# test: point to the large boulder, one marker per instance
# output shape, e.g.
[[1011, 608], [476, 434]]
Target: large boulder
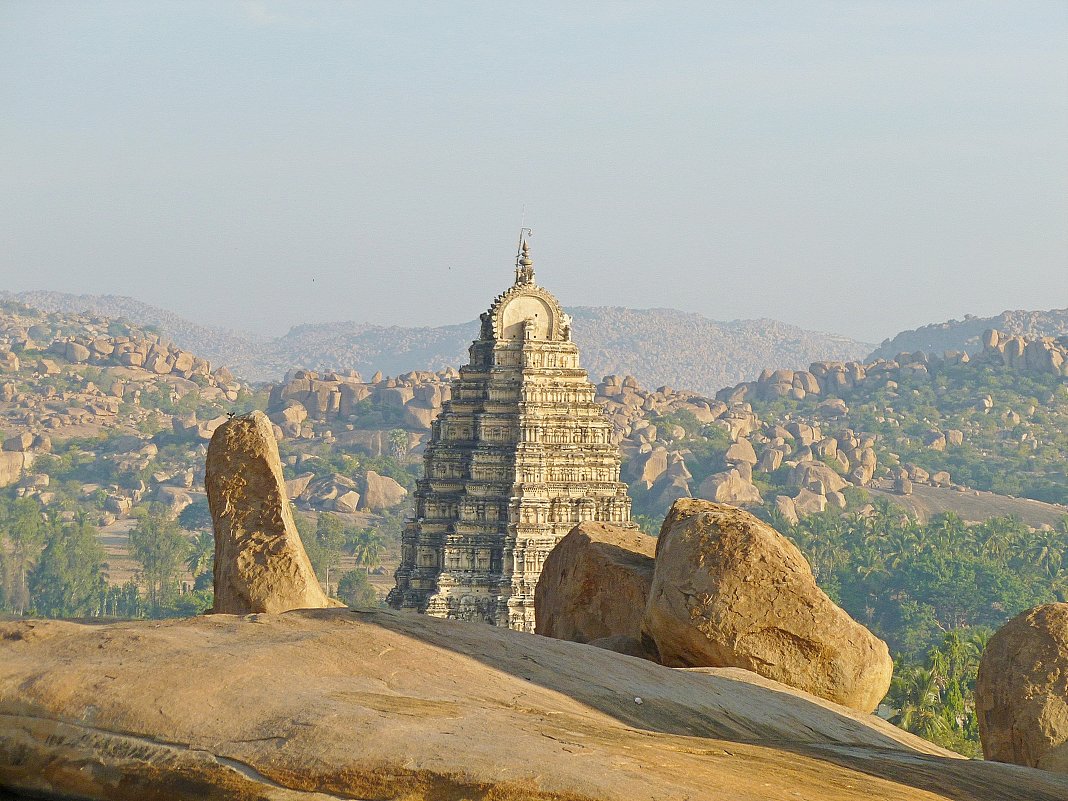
[[12, 466], [380, 492], [594, 583], [646, 469], [19, 442], [730, 591], [730, 487], [741, 451], [175, 499], [260, 562], [810, 474], [290, 418], [1021, 694]]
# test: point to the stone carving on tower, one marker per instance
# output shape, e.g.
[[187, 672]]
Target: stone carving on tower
[[520, 454]]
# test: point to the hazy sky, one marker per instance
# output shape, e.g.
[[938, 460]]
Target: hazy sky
[[851, 167]]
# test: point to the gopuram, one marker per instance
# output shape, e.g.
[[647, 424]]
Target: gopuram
[[519, 455]]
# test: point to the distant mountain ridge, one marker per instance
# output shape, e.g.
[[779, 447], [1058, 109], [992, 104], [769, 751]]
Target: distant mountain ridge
[[658, 346], [964, 335], [222, 346]]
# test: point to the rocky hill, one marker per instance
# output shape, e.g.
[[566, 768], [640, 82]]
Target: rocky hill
[[658, 346], [965, 335], [993, 422], [219, 345], [338, 703]]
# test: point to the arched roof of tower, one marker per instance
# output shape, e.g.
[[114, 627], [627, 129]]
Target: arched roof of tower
[[527, 299]]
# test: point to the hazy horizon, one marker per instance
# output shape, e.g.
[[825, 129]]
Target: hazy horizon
[[856, 168]]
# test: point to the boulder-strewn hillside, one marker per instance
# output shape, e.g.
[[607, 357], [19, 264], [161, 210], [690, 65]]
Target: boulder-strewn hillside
[[104, 425], [658, 346], [219, 345], [965, 335], [993, 422]]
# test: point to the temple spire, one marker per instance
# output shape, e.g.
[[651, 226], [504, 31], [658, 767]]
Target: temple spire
[[524, 265]]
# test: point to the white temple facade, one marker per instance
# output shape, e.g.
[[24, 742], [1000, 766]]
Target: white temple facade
[[519, 455]]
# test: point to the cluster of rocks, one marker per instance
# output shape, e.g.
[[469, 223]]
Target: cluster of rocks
[[655, 456], [48, 392], [307, 398], [719, 588], [93, 343], [92, 376], [826, 379], [821, 465], [1047, 355], [966, 334], [370, 492]]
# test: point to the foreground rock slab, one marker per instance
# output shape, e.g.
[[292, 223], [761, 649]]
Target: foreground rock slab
[[594, 584], [730, 591], [1021, 693], [260, 562], [383, 705]]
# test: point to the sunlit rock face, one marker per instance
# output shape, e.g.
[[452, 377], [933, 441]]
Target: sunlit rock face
[[520, 454], [1021, 693], [730, 591], [260, 562]]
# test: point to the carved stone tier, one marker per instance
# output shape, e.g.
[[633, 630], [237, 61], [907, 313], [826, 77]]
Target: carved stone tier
[[520, 454]]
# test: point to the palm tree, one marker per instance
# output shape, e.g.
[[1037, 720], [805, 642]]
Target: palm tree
[[978, 640], [870, 563], [201, 558], [945, 530], [997, 540], [901, 545], [1045, 550], [885, 514], [1060, 586], [956, 656], [368, 547], [917, 698]]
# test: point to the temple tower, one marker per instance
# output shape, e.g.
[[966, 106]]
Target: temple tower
[[519, 455]]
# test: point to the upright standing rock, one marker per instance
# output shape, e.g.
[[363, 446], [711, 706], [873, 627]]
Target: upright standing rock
[[260, 562], [730, 591], [1021, 693]]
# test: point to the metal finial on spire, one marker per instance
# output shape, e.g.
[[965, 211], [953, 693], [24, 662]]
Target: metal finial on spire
[[524, 265]]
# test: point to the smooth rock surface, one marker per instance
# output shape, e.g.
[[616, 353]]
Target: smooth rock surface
[[260, 562], [333, 703], [1021, 694], [594, 583], [730, 591]]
